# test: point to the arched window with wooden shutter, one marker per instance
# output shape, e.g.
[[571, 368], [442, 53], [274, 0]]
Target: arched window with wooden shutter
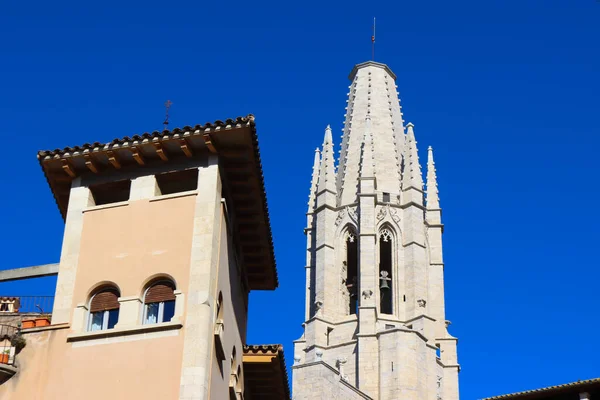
[[104, 309], [159, 302]]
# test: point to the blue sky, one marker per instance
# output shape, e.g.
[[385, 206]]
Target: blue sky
[[505, 91]]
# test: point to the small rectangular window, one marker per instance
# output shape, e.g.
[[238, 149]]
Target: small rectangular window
[[386, 197], [176, 182], [159, 312], [152, 311], [168, 311], [96, 321], [111, 192], [112, 318]]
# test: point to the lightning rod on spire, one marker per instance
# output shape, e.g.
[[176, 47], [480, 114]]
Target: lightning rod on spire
[[373, 42]]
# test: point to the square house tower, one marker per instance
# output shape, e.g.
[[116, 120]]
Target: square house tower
[[166, 233]]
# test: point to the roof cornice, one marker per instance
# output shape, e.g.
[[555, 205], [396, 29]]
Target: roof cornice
[[542, 393], [370, 64]]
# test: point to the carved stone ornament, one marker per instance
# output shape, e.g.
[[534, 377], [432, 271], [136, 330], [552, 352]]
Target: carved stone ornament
[[367, 293], [394, 214], [340, 216], [386, 235], [319, 354], [318, 305], [382, 213], [387, 209], [297, 359], [352, 214], [340, 366], [350, 237], [421, 302]]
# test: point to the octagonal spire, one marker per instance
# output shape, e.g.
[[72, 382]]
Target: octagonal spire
[[372, 97]]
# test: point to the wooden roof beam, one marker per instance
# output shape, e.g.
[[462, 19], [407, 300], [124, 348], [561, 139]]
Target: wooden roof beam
[[137, 156], [208, 142], [113, 160], [68, 169], [161, 152], [185, 147], [90, 164]]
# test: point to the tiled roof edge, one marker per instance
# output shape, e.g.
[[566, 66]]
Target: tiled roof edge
[[262, 348], [264, 189], [207, 127], [546, 389]]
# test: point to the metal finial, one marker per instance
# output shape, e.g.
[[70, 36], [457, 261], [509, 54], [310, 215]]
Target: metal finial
[[168, 105], [373, 42]]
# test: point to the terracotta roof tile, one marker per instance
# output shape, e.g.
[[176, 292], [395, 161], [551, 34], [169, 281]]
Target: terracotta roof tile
[[249, 119], [530, 394], [264, 349]]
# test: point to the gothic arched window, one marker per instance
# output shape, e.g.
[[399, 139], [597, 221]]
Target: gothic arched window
[[351, 277], [385, 271]]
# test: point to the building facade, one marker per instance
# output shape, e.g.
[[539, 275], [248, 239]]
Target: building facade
[[375, 323], [166, 233]]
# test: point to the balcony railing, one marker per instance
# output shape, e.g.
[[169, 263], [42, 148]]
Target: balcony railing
[[26, 304]]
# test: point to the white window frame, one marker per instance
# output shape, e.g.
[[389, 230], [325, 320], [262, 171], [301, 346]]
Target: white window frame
[[161, 306], [105, 315], [104, 326]]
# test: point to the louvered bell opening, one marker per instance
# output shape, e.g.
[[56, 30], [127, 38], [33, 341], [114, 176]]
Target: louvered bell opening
[[160, 292], [105, 300]]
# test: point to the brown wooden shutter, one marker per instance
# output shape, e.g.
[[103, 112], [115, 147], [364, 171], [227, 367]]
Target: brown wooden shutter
[[160, 292], [105, 300]]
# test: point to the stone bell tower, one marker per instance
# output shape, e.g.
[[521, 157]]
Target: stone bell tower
[[375, 325]]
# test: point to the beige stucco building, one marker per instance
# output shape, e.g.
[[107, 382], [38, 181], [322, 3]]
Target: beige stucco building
[[165, 235], [375, 324]]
